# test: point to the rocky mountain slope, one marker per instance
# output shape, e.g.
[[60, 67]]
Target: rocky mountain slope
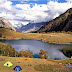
[[5, 23], [30, 27], [61, 23]]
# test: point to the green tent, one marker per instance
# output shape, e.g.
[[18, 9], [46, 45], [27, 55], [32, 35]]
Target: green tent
[[8, 64]]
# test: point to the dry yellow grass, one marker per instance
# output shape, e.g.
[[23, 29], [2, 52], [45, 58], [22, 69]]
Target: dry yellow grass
[[30, 64], [58, 38]]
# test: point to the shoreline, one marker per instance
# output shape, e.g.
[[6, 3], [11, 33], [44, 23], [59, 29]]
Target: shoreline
[[50, 42], [56, 38]]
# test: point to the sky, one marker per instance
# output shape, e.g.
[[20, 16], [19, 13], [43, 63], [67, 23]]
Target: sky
[[24, 11]]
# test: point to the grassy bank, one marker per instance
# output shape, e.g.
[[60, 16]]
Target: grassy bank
[[58, 38], [33, 65]]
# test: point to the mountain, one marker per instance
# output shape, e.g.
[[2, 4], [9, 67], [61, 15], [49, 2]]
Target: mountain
[[5, 23], [30, 27], [61, 23]]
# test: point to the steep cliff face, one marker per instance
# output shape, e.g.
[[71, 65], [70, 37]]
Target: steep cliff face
[[5, 23], [61, 23]]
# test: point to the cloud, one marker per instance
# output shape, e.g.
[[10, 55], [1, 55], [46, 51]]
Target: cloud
[[25, 13], [55, 9], [69, 0], [5, 5]]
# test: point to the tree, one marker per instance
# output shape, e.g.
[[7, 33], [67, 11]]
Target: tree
[[16, 54], [26, 53], [43, 54], [9, 51], [1, 51]]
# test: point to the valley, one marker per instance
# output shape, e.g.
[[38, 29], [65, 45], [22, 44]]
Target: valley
[[51, 36], [58, 38]]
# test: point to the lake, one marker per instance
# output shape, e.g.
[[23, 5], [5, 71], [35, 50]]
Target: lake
[[35, 46]]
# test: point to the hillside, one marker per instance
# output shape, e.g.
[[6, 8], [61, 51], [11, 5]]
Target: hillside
[[30, 27], [34, 65], [58, 38], [61, 23], [6, 24]]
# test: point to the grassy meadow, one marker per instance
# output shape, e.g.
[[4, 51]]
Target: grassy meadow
[[58, 38], [34, 65]]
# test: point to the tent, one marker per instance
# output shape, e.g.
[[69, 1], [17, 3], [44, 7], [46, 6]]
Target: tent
[[17, 68], [8, 64], [69, 65]]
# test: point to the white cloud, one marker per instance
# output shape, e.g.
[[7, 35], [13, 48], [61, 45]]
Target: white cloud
[[69, 0], [5, 5], [38, 13], [23, 6], [55, 8]]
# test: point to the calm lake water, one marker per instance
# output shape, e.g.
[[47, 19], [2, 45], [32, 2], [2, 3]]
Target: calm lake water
[[35, 46]]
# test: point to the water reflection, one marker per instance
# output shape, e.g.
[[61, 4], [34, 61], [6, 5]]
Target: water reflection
[[35, 46]]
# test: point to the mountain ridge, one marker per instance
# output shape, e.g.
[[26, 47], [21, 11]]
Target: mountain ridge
[[30, 27], [61, 23], [6, 24]]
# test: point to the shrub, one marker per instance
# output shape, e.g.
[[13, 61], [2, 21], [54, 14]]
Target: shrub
[[9, 51], [0, 34], [1, 51], [4, 36], [26, 53], [43, 54], [17, 54]]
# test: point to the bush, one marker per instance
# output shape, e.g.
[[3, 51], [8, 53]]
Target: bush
[[26, 53], [1, 51], [8, 50], [0, 34], [43, 54], [4, 36]]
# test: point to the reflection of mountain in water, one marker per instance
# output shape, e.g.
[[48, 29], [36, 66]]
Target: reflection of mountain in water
[[36, 46]]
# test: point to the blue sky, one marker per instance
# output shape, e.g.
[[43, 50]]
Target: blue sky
[[25, 11], [32, 1]]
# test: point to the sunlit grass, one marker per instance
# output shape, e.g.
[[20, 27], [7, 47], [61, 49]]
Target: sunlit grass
[[58, 38], [33, 65]]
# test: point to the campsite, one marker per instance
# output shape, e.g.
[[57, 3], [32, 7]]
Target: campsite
[[34, 65], [35, 35]]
